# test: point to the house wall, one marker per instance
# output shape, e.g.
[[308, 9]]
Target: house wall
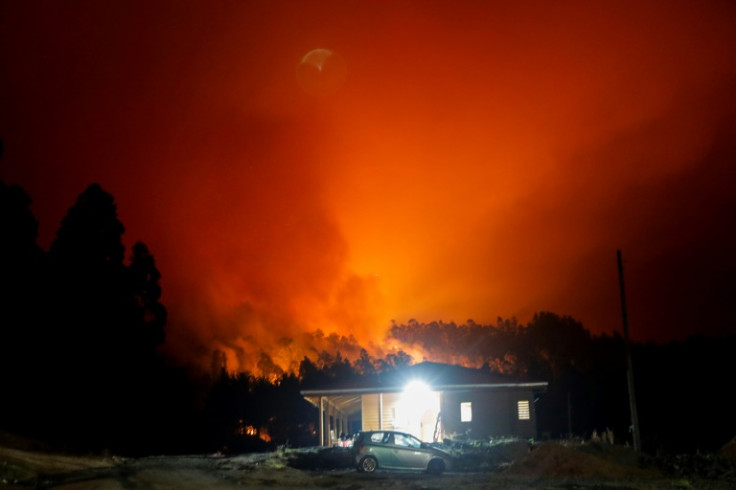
[[389, 402], [420, 423], [369, 412], [494, 414], [385, 403]]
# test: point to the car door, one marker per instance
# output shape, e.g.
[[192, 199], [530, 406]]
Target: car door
[[381, 446], [408, 452]]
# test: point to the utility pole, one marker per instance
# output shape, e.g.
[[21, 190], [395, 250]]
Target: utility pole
[[629, 362], [569, 415]]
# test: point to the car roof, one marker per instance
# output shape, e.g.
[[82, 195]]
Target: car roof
[[387, 431]]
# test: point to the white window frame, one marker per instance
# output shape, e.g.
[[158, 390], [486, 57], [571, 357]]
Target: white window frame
[[466, 411], [523, 410]]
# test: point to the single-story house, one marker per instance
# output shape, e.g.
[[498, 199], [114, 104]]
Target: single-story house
[[430, 400]]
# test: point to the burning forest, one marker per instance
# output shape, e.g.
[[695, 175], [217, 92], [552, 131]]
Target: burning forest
[[85, 359], [207, 208]]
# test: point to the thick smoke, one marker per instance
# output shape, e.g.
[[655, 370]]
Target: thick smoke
[[477, 160]]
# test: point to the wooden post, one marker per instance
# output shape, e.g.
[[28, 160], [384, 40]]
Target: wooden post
[[629, 362], [321, 421], [330, 424], [380, 411]]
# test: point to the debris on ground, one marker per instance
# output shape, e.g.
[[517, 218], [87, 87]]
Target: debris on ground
[[729, 450], [515, 465], [486, 456], [705, 466], [561, 461]]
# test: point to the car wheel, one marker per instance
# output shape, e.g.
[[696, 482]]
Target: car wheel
[[368, 464], [436, 467]]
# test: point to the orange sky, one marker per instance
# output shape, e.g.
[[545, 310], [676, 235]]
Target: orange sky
[[479, 159]]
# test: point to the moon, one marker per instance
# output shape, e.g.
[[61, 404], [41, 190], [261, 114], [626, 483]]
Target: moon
[[321, 72]]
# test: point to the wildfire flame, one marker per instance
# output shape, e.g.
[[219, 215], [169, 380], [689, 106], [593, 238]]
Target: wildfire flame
[[285, 356]]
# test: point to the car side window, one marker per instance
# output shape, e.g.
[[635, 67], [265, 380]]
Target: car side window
[[377, 437], [406, 441]]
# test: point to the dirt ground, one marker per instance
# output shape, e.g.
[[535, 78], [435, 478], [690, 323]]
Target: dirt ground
[[543, 466]]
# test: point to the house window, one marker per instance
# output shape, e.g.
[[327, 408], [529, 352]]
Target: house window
[[466, 412], [523, 408]]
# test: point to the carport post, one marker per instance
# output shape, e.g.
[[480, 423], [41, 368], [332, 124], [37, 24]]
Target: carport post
[[321, 421], [330, 423], [380, 411]]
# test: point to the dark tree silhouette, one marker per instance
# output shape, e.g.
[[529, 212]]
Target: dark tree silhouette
[[89, 280], [365, 364], [102, 325], [20, 256], [20, 297], [557, 343], [89, 312], [91, 234], [394, 361], [309, 374], [144, 280], [245, 413]]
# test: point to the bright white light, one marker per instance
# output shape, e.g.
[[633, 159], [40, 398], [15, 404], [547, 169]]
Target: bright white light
[[417, 410], [416, 388], [416, 397], [466, 412]]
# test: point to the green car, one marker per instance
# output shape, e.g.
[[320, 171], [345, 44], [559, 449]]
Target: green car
[[391, 450]]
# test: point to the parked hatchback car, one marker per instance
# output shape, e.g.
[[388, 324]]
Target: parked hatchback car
[[392, 450]]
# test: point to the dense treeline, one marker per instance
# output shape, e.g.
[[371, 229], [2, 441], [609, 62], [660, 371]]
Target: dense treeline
[[80, 327], [679, 387], [82, 324]]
